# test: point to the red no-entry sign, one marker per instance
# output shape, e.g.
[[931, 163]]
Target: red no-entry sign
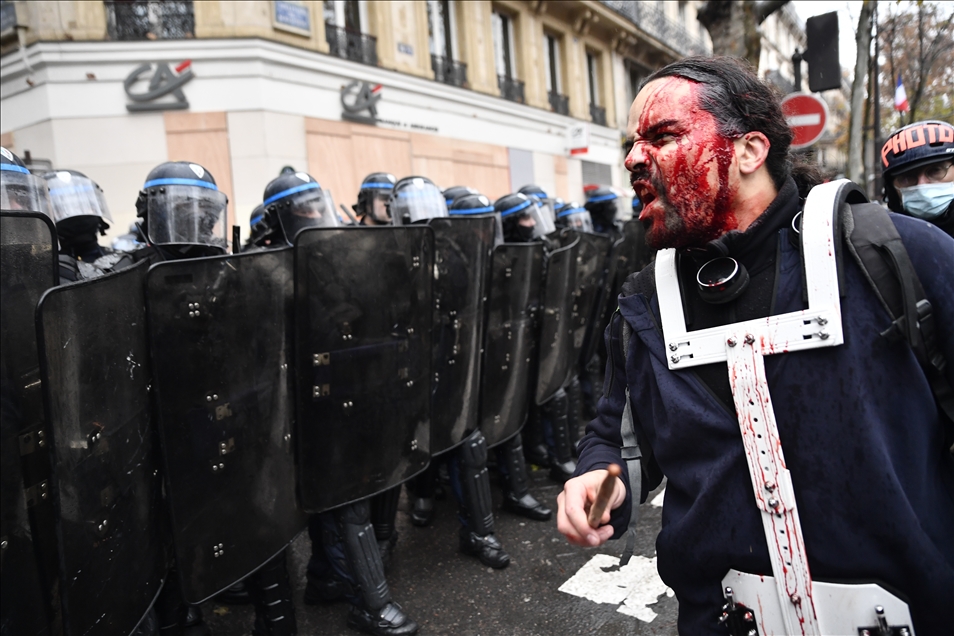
[[807, 115]]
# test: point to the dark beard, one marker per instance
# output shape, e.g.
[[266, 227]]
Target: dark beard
[[675, 231]]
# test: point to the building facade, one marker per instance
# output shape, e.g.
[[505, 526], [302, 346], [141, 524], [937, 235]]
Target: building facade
[[490, 94]]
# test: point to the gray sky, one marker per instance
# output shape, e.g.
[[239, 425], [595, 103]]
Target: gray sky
[[847, 23]]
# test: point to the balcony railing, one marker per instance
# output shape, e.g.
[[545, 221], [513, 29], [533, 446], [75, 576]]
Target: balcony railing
[[598, 114], [169, 20], [351, 45], [559, 103], [655, 23], [449, 71], [511, 89]]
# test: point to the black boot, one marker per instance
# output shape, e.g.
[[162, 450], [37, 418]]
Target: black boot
[[270, 591], [486, 548], [234, 595], [534, 446], [175, 616], [390, 620], [383, 513], [562, 465], [517, 497], [422, 512]]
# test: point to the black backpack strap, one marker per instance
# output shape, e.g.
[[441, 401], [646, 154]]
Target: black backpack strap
[[877, 247]]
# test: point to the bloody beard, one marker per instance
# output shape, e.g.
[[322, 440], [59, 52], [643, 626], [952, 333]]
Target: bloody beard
[[682, 207]]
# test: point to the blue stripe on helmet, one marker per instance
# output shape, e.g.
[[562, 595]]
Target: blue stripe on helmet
[[570, 211], [376, 185], [174, 181], [536, 195], [290, 191], [68, 189], [522, 206], [12, 167], [483, 210], [255, 219], [605, 197]]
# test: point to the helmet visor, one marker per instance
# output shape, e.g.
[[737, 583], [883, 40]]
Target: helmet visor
[[187, 214], [417, 200], [21, 190], [308, 207], [577, 219], [545, 217], [73, 195]]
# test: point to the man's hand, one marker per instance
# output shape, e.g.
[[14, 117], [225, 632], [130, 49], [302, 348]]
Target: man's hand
[[574, 503]]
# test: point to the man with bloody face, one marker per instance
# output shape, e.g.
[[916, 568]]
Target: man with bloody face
[[865, 490]]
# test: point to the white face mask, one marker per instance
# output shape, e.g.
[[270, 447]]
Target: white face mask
[[927, 200]]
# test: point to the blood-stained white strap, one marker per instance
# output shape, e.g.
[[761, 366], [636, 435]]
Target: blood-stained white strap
[[817, 326], [771, 482]]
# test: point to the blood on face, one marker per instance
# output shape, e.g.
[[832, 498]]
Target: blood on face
[[680, 165]]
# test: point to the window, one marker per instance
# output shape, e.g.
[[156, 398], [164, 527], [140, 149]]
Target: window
[[440, 27], [350, 14], [593, 77], [551, 60], [171, 20], [504, 58]]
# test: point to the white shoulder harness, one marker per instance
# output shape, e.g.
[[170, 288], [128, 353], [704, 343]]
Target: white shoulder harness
[[798, 605]]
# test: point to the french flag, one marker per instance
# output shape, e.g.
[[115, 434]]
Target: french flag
[[901, 98]]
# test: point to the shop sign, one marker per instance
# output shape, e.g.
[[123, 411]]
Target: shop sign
[[578, 138], [360, 96], [164, 81]]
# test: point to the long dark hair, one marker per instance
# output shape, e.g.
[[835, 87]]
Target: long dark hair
[[740, 103]]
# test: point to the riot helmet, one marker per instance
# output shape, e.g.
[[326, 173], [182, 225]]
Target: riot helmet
[[540, 197], [79, 207], [415, 199], [521, 217], [637, 206], [575, 217], [19, 189], [295, 201], [918, 162], [602, 204], [374, 197], [455, 192], [477, 204], [181, 205]]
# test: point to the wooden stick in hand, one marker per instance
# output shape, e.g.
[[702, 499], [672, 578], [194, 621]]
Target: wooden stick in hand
[[604, 495]]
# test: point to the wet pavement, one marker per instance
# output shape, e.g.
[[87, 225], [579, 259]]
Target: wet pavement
[[448, 593]]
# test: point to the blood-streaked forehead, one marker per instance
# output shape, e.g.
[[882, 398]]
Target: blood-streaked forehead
[[661, 100]]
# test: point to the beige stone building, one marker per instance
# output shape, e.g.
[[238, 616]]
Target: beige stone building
[[491, 94]]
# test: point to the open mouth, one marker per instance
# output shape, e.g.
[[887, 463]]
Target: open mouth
[[645, 192]]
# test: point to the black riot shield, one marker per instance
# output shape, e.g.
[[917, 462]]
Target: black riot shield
[[94, 358], [556, 355], [461, 262], [513, 299], [363, 350], [591, 265], [28, 267], [220, 331], [629, 254]]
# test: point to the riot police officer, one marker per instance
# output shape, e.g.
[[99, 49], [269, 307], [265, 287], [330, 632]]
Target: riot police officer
[[574, 217], [547, 432], [374, 196], [509, 454], [342, 565], [80, 213], [415, 200], [19, 189], [602, 203], [918, 165]]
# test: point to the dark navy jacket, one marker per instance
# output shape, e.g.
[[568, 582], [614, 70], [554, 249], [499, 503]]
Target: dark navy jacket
[[861, 433]]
